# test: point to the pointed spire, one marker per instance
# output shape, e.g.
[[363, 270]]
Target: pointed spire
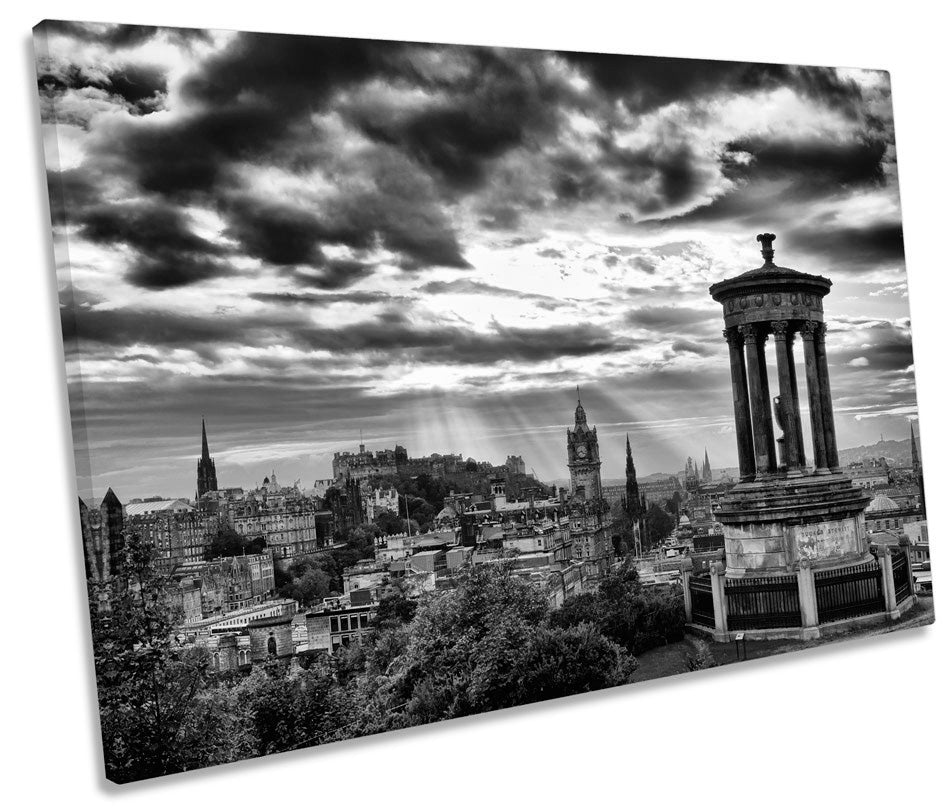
[[207, 477], [205, 454], [580, 416], [632, 506], [914, 453]]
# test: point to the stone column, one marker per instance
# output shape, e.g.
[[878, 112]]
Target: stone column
[[740, 403], [808, 600], [788, 395], [887, 578], [904, 550], [687, 598], [759, 402], [717, 581], [796, 404], [809, 328], [769, 422], [827, 412]]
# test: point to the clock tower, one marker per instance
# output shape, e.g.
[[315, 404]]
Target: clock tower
[[583, 455]]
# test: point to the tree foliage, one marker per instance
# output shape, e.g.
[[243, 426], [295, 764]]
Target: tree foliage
[[658, 523], [227, 543], [623, 611], [304, 580], [155, 712], [490, 643], [486, 645]]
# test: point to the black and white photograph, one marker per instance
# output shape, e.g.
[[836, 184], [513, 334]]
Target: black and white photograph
[[410, 381]]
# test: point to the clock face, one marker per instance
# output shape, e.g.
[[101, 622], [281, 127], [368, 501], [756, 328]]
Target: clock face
[[582, 451]]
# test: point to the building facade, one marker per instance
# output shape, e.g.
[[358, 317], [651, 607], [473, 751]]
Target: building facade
[[176, 531]]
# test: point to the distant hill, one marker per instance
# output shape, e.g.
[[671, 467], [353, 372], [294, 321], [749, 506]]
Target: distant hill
[[895, 451]]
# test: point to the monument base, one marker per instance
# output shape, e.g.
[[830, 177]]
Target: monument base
[[771, 525]]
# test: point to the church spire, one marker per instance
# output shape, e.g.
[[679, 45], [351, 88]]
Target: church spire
[[207, 476], [918, 470], [205, 454], [914, 454], [632, 489]]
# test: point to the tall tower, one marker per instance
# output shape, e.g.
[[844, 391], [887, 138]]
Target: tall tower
[[583, 455], [707, 470], [632, 488], [207, 476], [918, 470]]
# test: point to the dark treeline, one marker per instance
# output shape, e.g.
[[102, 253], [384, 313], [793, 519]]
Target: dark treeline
[[490, 643]]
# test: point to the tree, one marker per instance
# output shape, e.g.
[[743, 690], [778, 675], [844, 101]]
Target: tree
[[623, 611], [658, 523], [389, 523], [311, 585], [227, 543], [471, 650], [395, 608], [153, 694], [291, 707]]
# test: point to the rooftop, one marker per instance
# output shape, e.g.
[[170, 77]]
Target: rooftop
[[163, 506]]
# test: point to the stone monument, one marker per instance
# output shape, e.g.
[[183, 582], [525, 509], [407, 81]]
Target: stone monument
[[784, 511]]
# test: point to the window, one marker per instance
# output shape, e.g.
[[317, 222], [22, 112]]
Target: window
[[334, 624], [344, 624]]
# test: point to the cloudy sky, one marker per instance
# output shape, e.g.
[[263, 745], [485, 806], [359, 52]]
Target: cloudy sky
[[303, 237]]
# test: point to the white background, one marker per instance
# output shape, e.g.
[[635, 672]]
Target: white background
[[861, 725]]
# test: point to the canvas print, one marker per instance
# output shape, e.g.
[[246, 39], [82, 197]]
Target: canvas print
[[410, 381]]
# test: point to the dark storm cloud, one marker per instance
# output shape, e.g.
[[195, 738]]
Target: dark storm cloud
[[192, 155], [668, 318], [275, 232], [170, 269], [126, 327], [247, 101], [138, 84], [141, 87], [71, 192], [333, 274], [849, 249], [869, 348], [120, 35], [815, 165], [781, 171], [497, 100], [683, 345], [476, 288], [891, 355], [648, 82], [576, 179], [391, 335], [500, 217], [394, 334], [318, 299], [675, 167], [167, 253], [148, 226]]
